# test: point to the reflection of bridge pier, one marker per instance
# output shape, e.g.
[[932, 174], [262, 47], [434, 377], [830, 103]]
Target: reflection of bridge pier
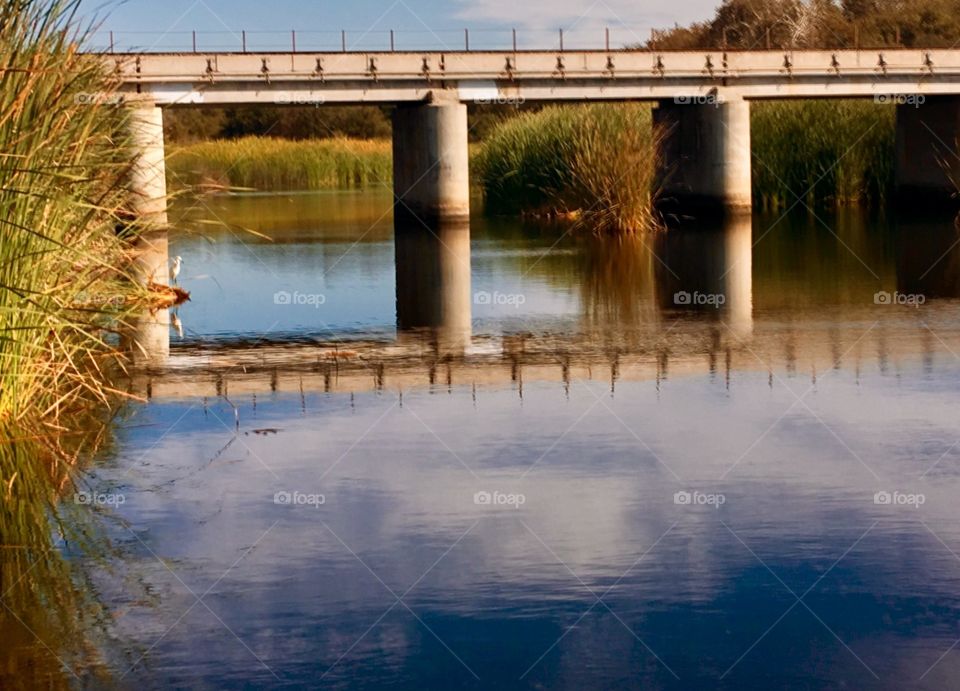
[[709, 272], [146, 338], [433, 281]]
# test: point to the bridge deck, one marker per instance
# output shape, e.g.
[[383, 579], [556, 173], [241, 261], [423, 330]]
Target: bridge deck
[[489, 76]]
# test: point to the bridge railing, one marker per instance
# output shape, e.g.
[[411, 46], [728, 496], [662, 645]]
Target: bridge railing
[[358, 40], [380, 40]]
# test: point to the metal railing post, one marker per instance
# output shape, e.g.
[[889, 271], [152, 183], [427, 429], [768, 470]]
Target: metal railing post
[[243, 40]]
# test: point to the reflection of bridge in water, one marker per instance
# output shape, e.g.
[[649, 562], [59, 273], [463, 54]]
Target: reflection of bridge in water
[[692, 313]]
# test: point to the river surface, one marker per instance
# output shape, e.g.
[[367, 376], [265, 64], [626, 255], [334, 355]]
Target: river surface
[[506, 456]]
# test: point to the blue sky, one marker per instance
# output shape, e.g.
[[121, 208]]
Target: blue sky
[[418, 23]]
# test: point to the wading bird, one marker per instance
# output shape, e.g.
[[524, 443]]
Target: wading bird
[[175, 269]]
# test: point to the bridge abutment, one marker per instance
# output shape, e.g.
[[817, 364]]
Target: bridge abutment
[[927, 168], [430, 159], [704, 162], [148, 193]]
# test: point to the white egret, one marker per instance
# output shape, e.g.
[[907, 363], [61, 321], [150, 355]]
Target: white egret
[[175, 269]]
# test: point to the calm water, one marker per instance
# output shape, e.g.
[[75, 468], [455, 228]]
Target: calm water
[[507, 457]]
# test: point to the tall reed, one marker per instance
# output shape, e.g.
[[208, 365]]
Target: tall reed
[[595, 161], [267, 163], [837, 151], [63, 160]]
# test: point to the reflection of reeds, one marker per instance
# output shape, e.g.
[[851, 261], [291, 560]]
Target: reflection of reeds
[[595, 161], [48, 611], [266, 163], [61, 194], [617, 283]]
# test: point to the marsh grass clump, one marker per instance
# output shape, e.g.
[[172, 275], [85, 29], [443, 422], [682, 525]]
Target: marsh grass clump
[[267, 163], [63, 166], [825, 152], [595, 162]]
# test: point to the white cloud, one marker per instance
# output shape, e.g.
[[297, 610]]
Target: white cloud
[[624, 17]]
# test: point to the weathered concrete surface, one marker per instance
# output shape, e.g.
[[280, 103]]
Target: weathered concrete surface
[[927, 163], [704, 162], [490, 76], [148, 192], [431, 171]]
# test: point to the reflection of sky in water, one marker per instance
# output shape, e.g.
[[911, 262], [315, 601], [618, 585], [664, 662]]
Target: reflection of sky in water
[[399, 484], [496, 596]]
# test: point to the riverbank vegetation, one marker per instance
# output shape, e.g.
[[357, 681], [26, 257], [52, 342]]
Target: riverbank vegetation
[[602, 158], [822, 152], [270, 163], [63, 292], [62, 196], [595, 162]]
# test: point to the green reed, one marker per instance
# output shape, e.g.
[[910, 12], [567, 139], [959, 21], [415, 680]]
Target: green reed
[[836, 151], [593, 161], [267, 163], [63, 162]]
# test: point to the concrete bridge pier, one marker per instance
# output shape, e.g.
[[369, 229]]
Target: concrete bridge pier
[[430, 159], [704, 163], [148, 193], [927, 169]]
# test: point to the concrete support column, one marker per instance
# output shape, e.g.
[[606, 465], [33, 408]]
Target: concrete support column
[[704, 163], [430, 159], [148, 192], [927, 164]]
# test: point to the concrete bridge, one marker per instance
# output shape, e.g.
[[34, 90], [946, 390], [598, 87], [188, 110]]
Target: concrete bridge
[[702, 102]]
